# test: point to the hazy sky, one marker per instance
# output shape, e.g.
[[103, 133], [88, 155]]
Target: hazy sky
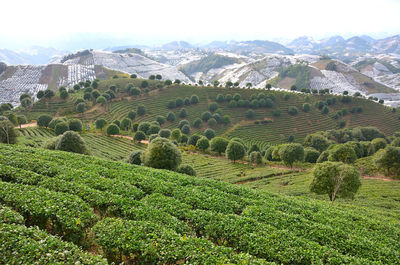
[[63, 23]]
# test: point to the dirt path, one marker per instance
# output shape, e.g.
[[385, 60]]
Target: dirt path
[[379, 178], [126, 137], [32, 124]]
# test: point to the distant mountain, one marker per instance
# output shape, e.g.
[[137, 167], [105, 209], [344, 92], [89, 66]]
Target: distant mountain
[[303, 44], [389, 45], [177, 45], [367, 38], [245, 47], [119, 48], [34, 55]]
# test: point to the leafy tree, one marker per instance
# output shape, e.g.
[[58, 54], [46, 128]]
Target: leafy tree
[[117, 122], [87, 96], [141, 110], [48, 93], [101, 100], [162, 153], [175, 134], [144, 127], [158, 77], [317, 141], [171, 117], [203, 143], [250, 114], [44, 120], [186, 101], [134, 157], [388, 159], [342, 153], [167, 82], [8, 134], [220, 98], [27, 102], [194, 99], [212, 106], [235, 151], [185, 129], [112, 129], [311, 155], [177, 81], [292, 110], [197, 123], [152, 77], [226, 119], [205, 116], [179, 102], [100, 123], [144, 84], [132, 115], [216, 83], [139, 136], [126, 124], [209, 133], [193, 140], [11, 116], [255, 157], [160, 119], [186, 169], [22, 120], [219, 145], [229, 84], [133, 76], [154, 129], [72, 142], [40, 94], [306, 107], [183, 113], [95, 85], [379, 143], [325, 110], [212, 122], [135, 91], [289, 153], [75, 125], [277, 112], [249, 85], [335, 179], [81, 107], [61, 128], [268, 86]]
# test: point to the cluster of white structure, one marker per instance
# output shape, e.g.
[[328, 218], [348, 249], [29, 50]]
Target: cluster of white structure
[[24, 80], [78, 71]]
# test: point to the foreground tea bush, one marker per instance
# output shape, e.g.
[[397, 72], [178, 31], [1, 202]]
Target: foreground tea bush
[[140, 215]]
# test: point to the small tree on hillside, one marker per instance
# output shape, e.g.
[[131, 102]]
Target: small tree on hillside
[[44, 120], [235, 151], [112, 129], [8, 134], [335, 179], [289, 153], [388, 160], [72, 142], [219, 145], [162, 153], [100, 123], [134, 157], [61, 128], [342, 153], [75, 125], [203, 143], [139, 136]]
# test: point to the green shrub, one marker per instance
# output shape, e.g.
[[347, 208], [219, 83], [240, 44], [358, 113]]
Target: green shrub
[[134, 157], [61, 128], [186, 169], [72, 142], [75, 125], [112, 129], [162, 153]]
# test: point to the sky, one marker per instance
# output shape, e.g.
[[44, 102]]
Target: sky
[[69, 24]]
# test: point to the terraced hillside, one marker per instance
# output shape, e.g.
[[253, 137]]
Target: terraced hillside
[[110, 208], [265, 127]]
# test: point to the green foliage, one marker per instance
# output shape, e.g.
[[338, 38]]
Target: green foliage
[[134, 157], [175, 134], [100, 123], [126, 124], [277, 112], [335, 179], [139, 136], [317, 141], [183, 113], [342, 153], [141, 110], [132, 115], [306, 107], [207, 63], [388, 160], [219, 144], [379, 143], [81, 107], [209, 133], [298, 71], [289, 153], [186, 169], [194, 99], [144, 127], [203, 143], [72, 142], [75, 125], [171, 117], [61, 128], [311, 155], [44, 120], [212, 122], [8, 134], [185, 129], [235, 151], [162, 153], [255, 157], [112, 129], [292, 110], [213, 106]]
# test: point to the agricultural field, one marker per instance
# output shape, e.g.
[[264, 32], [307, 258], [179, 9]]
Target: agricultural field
[[100, 201]]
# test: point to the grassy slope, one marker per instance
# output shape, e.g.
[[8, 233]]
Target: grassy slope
[[271, 227], [377, 194], [276, 132]]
